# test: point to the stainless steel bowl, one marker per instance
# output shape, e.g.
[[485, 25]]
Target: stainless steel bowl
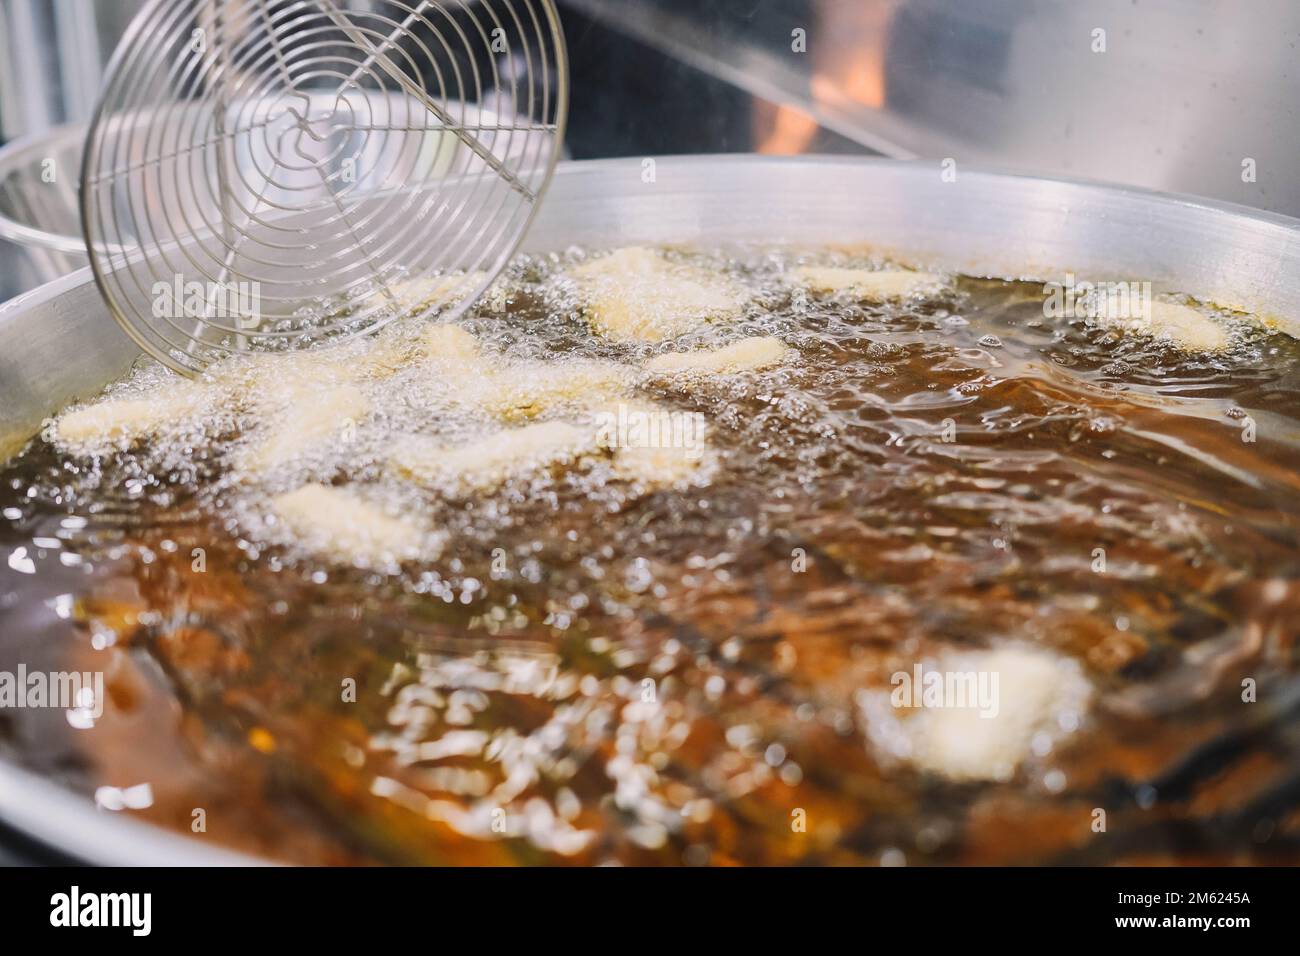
[[40, 213], [58, 343]]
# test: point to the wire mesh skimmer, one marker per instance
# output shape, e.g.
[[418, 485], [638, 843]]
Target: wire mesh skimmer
[[271, 174]]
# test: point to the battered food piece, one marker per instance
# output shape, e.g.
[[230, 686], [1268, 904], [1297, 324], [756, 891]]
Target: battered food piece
[[634, 294], [273, 380], [1016, 698], [868, 284], [651, 468], [749, 354], [654, 446], [1181, 325], [449, 343], [434, 292], [519, 390], [490, 462], [336, 522], [525, 390], [110, 421], [313, 417]]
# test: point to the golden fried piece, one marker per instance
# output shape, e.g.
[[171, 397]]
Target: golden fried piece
[[313, 419], [635, 294], [749, 354], [867, 284], [338, 523], [87, 428], [979, 715], [487, 463], [1180, 325]]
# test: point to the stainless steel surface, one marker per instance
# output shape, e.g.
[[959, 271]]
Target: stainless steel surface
[[55, 344], [69, 349], [1193, 96], [58, 819], [234, 136]]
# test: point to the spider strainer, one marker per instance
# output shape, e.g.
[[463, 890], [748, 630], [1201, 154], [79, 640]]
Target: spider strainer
[[270, 174]]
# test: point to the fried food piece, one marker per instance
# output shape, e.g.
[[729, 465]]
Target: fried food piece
[[407, 340], [488, 463], [336, 522], [1011, 696], [867, 284], [525, 390], [634, 294], [521, 390], [415, 296], [110, 421], [313, 417], [652, 467], [655, 447], [1180, 325], [749, 354], [270, 381], [449, 342]]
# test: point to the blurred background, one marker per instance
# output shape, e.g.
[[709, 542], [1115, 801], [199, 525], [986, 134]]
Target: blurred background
[[1189, 96]]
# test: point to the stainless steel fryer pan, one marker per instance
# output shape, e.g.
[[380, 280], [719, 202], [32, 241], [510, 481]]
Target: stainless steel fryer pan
[[58, 343]]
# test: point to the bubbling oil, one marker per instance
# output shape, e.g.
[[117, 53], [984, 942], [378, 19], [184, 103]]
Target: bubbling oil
[[577, 668]]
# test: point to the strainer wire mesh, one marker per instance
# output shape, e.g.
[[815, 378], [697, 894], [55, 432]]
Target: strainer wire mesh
[[267, 174]]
